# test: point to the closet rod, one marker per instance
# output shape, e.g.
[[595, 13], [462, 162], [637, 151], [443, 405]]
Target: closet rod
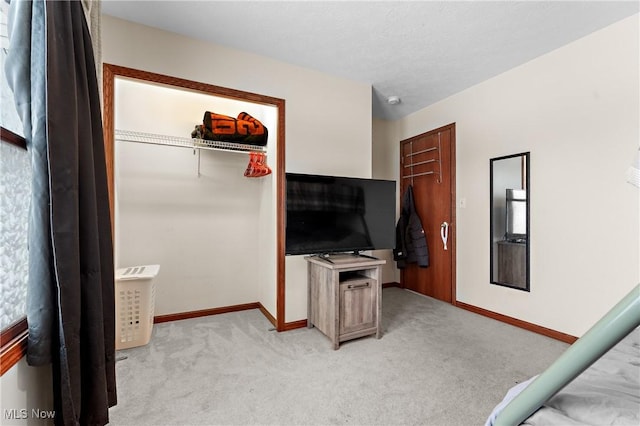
[[433, 148], [420, 162], [418, 174]]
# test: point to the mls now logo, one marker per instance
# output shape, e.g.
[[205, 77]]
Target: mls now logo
[[37, 413], [23, 413], [14, 413]]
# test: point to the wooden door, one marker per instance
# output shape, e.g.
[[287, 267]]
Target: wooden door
[[427, 162]]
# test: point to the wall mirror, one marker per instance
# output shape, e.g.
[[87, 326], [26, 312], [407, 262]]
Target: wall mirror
[[509, 250]]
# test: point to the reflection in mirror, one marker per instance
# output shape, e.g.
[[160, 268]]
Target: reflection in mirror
[[509, 180]]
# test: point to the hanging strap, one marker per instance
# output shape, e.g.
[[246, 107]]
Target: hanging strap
[[444, 233]]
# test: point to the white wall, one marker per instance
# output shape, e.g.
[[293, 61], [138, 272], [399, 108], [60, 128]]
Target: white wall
[[320, 110], [24, 389], [576, 110], [384, 164]]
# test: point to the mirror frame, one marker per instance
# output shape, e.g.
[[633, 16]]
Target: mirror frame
[[525, 176]]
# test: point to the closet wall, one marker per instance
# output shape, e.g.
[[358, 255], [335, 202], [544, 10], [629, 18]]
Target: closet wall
[[205, 230], [328, 119]]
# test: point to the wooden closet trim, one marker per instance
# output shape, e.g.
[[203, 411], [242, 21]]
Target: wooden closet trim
[[110, 72]]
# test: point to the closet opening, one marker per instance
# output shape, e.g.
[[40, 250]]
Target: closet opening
[[217, 234]]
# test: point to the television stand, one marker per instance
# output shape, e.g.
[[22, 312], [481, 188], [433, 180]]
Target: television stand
[[345, 296]]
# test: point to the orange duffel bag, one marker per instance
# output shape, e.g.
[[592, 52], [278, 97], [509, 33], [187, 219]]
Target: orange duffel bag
[[245, 129]]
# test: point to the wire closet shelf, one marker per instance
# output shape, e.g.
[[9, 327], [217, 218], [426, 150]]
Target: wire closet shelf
[[193, 143]]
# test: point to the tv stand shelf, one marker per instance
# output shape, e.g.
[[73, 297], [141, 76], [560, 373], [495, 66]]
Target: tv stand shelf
[[344, 296]]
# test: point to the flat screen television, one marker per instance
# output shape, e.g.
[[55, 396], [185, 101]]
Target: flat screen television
[[332, 214], [516, 214]]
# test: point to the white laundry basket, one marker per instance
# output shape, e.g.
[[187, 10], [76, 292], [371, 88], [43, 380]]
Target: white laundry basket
[[135, 300]]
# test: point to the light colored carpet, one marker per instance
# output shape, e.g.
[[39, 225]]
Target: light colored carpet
[[434, 365]]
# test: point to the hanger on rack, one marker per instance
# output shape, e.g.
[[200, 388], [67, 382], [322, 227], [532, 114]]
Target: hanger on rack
[[257, 166], [411, 164]]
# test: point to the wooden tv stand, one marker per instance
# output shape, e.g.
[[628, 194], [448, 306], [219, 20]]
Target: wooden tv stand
[[344, 296]]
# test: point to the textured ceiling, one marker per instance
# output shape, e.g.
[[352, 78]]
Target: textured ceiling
[[421, 51]]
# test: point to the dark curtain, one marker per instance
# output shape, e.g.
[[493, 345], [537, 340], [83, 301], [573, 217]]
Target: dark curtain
[[70, 306]]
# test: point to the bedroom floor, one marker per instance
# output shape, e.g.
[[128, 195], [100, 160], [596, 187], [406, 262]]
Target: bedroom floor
[[434, 365]]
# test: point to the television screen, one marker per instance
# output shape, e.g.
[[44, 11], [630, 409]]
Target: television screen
[[330, 214], [516, 214]]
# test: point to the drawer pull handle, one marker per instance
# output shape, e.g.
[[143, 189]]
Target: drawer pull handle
[[358, 285]]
